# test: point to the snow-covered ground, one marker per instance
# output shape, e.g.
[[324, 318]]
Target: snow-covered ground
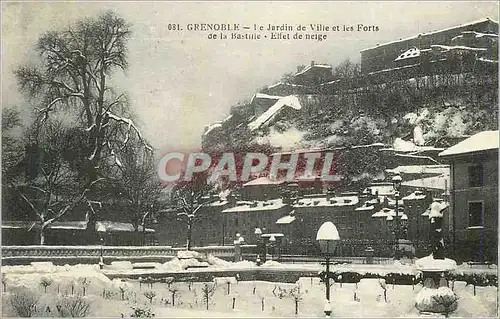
[[251, 299]]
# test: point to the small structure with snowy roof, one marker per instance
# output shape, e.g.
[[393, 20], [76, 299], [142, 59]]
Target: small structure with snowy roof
[[265, 118], [327, 202], [480, 142], [313, 74]]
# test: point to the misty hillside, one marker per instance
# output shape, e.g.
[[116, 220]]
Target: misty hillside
[[406, 101], [344, 110]]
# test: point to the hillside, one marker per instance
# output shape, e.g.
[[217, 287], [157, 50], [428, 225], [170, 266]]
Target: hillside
[[407, 116]]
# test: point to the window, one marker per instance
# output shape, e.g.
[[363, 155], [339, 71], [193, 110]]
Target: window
[[475, 176], [475, 214]]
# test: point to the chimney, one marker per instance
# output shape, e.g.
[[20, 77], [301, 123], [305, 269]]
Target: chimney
[[299, 68], [312, 63]]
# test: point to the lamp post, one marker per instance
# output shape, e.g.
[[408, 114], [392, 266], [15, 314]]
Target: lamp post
[[258, 233], [237, 247], [328, 237], [396, 182], [272, 243], [101, 259]]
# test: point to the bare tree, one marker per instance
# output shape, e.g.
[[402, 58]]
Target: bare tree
[[188, 198], [174, 292], [150, 295], [50, 187], [74, 74], [136, 183], [296, 296], [45, 282], [208, 291]]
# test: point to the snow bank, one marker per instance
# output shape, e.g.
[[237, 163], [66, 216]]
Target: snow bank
[[66, 277], [242, 264], [271, 264], [430, 264], [177, 264], [121, 265], [187, 254], [217, 262]]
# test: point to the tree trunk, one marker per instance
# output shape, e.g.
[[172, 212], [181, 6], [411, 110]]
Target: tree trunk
[[189, 235], [42, 235]]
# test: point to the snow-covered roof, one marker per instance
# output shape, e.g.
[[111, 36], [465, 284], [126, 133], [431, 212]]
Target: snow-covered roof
[[252, 206], [220, 202], [69, 225], [430, 159], [479, 142], [311, 66], [264, 180], [365, 207], [401, 145], [416, 195], [382, 189], [436, 209], [75, 225], [435, 182], [476, 35], [287, 84], [386, 212], [429, 33], [101, 226], [286, 219], [487, 60], [420, 169], [332, 202], [111, 226], [265, 96], [409, 54], [290, 101], [212, 127], [456, 47]]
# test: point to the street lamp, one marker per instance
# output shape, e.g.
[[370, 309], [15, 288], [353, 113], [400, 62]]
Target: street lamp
[[237, 247], [260, 249], [272, 243], [396, 182], [328, 237], [101, 259]]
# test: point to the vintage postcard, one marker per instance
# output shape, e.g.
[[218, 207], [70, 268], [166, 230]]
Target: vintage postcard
[[249, 159]]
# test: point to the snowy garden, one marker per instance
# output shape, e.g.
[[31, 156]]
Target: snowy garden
[[43, 289]]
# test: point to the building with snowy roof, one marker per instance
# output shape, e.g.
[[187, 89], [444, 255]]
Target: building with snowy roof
[[476, 37], [313, 74], [473, 222]]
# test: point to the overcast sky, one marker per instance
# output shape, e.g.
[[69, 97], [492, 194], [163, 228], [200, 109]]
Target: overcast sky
[[181, 81]]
